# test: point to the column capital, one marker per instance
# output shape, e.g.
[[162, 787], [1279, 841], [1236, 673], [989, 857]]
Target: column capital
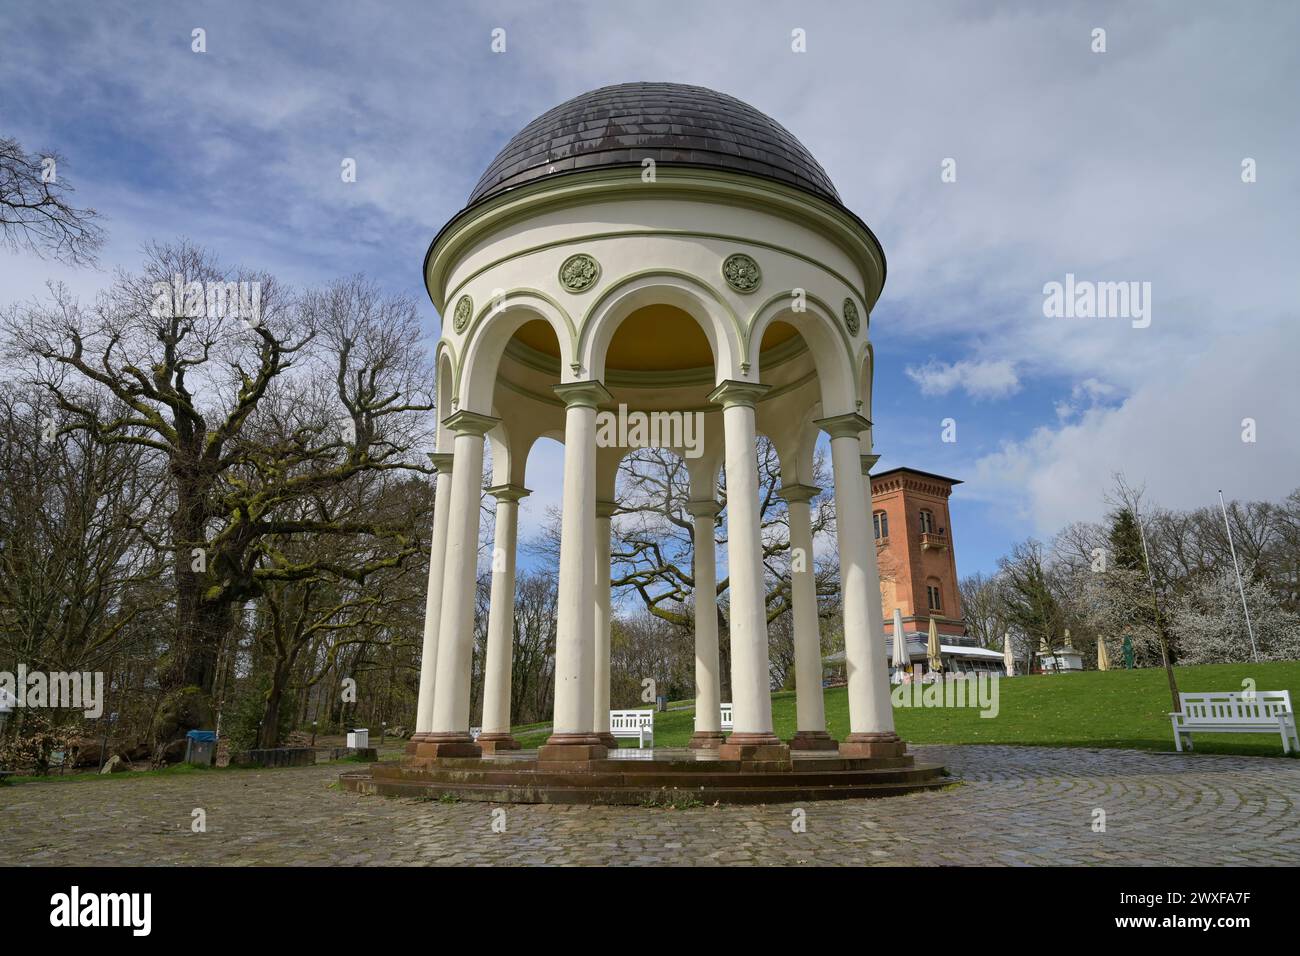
[[465, 422], [589, 394], [793, 493], [442, 461], [706, 508], [869, 462], [734, 392], [508, 492], [605, 509], [848, 425]]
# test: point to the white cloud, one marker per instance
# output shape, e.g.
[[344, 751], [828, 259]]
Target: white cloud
[[1179, 434], [978, 379]]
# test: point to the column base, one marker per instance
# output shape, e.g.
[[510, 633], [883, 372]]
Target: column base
[[813, 740], [453, 744], [873, 745], [496, 743], [571, 748], [755, 748], [707, 740], [608, 739]]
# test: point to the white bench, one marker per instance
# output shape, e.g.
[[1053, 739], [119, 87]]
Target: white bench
[[636, 724], [1255, 712], [727, 722]]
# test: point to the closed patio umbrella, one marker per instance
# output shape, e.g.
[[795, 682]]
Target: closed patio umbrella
[[932, 649], [901, 657], [1103, 658], [1008, 658]]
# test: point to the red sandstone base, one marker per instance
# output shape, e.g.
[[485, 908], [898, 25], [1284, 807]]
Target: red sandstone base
[[707, 740], [872, 745], [755, 748], [571, 748], [813, 740], [446, 748], [497, 743]]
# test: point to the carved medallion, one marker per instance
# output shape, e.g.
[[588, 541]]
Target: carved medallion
[[741, 272], [579, 273]]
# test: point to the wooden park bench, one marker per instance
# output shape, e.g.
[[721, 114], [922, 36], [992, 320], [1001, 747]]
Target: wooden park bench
[[1249, 712], [636, 724]]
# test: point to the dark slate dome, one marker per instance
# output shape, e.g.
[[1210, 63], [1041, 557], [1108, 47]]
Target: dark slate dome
[[673, 124]]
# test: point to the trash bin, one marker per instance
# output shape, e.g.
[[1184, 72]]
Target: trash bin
[[200, 746], [359, 738]]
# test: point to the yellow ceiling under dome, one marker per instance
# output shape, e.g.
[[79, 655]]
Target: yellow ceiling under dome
[[654, 338]]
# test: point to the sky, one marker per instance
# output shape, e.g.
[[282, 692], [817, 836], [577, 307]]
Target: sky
[[1117, 166]]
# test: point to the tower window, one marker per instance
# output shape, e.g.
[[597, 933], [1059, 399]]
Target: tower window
[[932, 594], [927, 522], [881, 522]]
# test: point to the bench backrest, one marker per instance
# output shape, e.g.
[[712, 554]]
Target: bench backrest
[[1261, 706], [727, 721], [630, 720]]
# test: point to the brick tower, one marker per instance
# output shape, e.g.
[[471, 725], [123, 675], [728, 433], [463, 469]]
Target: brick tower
[[918, 570]]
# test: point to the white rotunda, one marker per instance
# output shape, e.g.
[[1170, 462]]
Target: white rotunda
[[668, 250]]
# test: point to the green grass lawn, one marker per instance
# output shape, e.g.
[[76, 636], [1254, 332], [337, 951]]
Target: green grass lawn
[[1089, 709]]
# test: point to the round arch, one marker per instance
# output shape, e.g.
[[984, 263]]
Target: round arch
[[491, 333], [831, 351], [694, 297]]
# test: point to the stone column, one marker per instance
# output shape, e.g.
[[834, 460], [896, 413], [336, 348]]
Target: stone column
[[501, 624], [810, 722], [604, 513], [871, 716], [751, 682], [449, 734], [574, 736], [708, 675], [433, 597]]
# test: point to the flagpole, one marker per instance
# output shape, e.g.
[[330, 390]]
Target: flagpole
[[1254, 652]]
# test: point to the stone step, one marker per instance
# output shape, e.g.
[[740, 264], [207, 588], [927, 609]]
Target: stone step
[[652, 776], [774, 791]]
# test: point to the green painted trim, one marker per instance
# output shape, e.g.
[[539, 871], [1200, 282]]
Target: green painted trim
[[837, 224], [647, 233], [647, 273], [773, 358], [445, 343]]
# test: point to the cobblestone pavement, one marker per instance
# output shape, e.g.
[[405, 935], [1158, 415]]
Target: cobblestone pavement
[[1017, 806]]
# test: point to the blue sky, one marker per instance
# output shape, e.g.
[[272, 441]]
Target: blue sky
[[1115, 166]]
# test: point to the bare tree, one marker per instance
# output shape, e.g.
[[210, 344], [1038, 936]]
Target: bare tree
[[35, 212], [279, 399]]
